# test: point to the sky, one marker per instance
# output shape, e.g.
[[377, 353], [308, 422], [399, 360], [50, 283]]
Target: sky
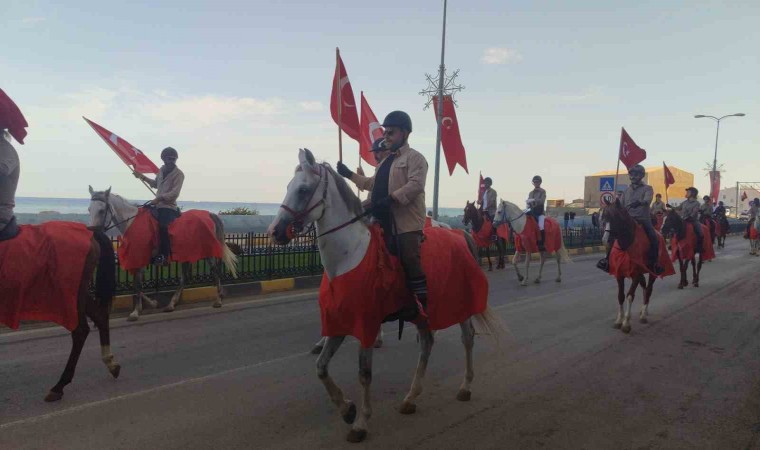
[[237, 87]]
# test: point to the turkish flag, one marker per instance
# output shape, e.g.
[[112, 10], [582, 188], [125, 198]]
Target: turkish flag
[[630, 153], [11, 118], [131, 156], [347, 118], [669, 178], [744, 195], [481, 189], [370, 132], [450, 138], [714, 185]]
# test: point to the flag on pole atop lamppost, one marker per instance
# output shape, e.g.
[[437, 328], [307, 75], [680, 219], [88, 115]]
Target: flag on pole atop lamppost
[[128, 153], [342, 102], [714, 185], [371, 130], [453, 148]]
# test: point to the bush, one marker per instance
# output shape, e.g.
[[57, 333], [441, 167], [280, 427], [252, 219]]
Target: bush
[[239, 211]]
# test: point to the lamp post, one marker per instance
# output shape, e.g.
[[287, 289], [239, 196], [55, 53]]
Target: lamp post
[[714, 195]]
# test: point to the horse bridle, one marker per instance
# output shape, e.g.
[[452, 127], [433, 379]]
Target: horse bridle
[[507, 220], [299, 216], [109, 209]]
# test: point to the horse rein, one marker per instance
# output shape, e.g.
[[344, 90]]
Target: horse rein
[[110, 210]]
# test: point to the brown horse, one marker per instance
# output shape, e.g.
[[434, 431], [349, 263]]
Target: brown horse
[[627, 260], [31, 293], [721, 231], [683, 245], [482, 229]]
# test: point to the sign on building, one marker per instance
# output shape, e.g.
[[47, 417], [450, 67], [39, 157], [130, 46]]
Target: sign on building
[[606, 184]]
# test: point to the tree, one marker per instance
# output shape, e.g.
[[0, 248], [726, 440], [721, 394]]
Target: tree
[[239, 211]]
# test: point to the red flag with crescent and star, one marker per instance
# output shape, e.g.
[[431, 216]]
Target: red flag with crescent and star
[[669, 178], [630, 153], [371, 130], [481, 188], [744, 195], [130, 155], [453, 148], [714, 185], [348, 119]]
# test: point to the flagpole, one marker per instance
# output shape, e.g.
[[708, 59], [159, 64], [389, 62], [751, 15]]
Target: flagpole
[[441, 71], [340, 104]]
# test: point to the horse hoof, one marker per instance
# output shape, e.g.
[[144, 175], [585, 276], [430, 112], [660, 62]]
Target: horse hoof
[[464, 395], [626, 329], [407, 408], [350, 415], [115, 370], [316, 350], [524, 283], [378, 343], [132, 318], [558, 280], [150, 304], [538, 281], [643, 320], [53, 396], [680, 286], [356, 436], [696, 284], [217, 304], [520, 278], [617, 325], [169, 308]]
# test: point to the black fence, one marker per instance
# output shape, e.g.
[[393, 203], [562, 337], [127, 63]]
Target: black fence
[[259, 259]]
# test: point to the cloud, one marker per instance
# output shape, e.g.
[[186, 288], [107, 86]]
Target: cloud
[[207, 110], [311, 106], [32, 20], [496, 55]]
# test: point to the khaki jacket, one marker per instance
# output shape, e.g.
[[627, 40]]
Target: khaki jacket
[[490, 204], [9, 172], [406, 184], [168, 187], [641, 193]]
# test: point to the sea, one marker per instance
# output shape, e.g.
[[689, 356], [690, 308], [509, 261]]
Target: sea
[[36, 205]]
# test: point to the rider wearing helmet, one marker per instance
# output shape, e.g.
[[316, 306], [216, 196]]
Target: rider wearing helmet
[[689, 212], [398, 202], [488, 202], [706, 213], [535, 202], [12, 123], [636, 199], [720, 211], [168, 184]]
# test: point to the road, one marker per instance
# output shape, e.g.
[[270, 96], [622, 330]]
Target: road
[[241, 377]]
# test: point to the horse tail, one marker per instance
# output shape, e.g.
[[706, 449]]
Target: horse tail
[[487, 322], [564, 256], [228, 256], [472, 246], [105, 277]]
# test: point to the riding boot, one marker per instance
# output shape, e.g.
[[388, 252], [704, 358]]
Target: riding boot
[[163, 244], [9, 230], [604, 263], [541, 246]]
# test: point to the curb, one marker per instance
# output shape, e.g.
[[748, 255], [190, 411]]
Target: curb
[[123, 303], [570, 251]]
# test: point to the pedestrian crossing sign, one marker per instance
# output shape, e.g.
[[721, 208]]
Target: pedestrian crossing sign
[[606, 184]]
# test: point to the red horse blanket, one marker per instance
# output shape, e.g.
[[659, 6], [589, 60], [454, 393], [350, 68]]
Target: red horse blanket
[[660, 219], [632, 262], [40, 273], [192, 239], [528, 239], [355, 303], [687, 246]]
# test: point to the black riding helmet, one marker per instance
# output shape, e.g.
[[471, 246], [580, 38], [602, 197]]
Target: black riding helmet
[[168, 151], [693, 190], [538, 178], [398, 119], [488, 181]]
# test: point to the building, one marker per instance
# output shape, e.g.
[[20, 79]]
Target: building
[[597, 184], [729, 195]]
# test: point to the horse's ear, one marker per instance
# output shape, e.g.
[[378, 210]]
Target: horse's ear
[[310, 157], [91, 190], [108, 191], [303, 159]]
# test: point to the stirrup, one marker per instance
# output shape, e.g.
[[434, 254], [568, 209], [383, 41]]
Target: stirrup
[[603, 264]]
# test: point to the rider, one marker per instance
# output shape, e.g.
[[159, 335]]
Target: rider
[[535, 202], [488, 202], [658, 207], [12, 123], [720, 211], [636, 199], [754, 206], [168, 184], [706, 213], [398, 201], [689, 212]]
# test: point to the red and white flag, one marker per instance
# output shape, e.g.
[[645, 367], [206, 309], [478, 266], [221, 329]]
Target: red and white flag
[[346, 117], [130, 155], [669, 178], [371, 130], [450, 138], [744, 195], [481, 188], [630, 153], [714, 185]]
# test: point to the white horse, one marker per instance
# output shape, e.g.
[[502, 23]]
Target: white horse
[[514, 216], [317, 195], [108, 209], [754, 244]]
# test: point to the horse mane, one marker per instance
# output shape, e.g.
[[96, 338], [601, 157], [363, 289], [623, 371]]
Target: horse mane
[[678, 224], [348, 196], [622, 225]]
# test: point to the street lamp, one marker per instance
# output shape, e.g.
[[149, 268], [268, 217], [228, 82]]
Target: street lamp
[[714, 195]]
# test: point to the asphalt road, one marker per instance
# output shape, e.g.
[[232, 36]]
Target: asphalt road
[[241, 377]]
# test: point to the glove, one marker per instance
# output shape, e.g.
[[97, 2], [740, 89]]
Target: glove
[[344, 171], [383, 203]]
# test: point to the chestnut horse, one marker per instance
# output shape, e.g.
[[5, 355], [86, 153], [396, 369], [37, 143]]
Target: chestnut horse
[[683, 246], [482, 229]]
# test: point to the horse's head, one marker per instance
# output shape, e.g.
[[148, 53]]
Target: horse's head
[[502, 216], [100, 210], [672, 224], [470, 213]]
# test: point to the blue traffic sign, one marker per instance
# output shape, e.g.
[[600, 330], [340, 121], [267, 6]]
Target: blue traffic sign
[[606, 184]]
